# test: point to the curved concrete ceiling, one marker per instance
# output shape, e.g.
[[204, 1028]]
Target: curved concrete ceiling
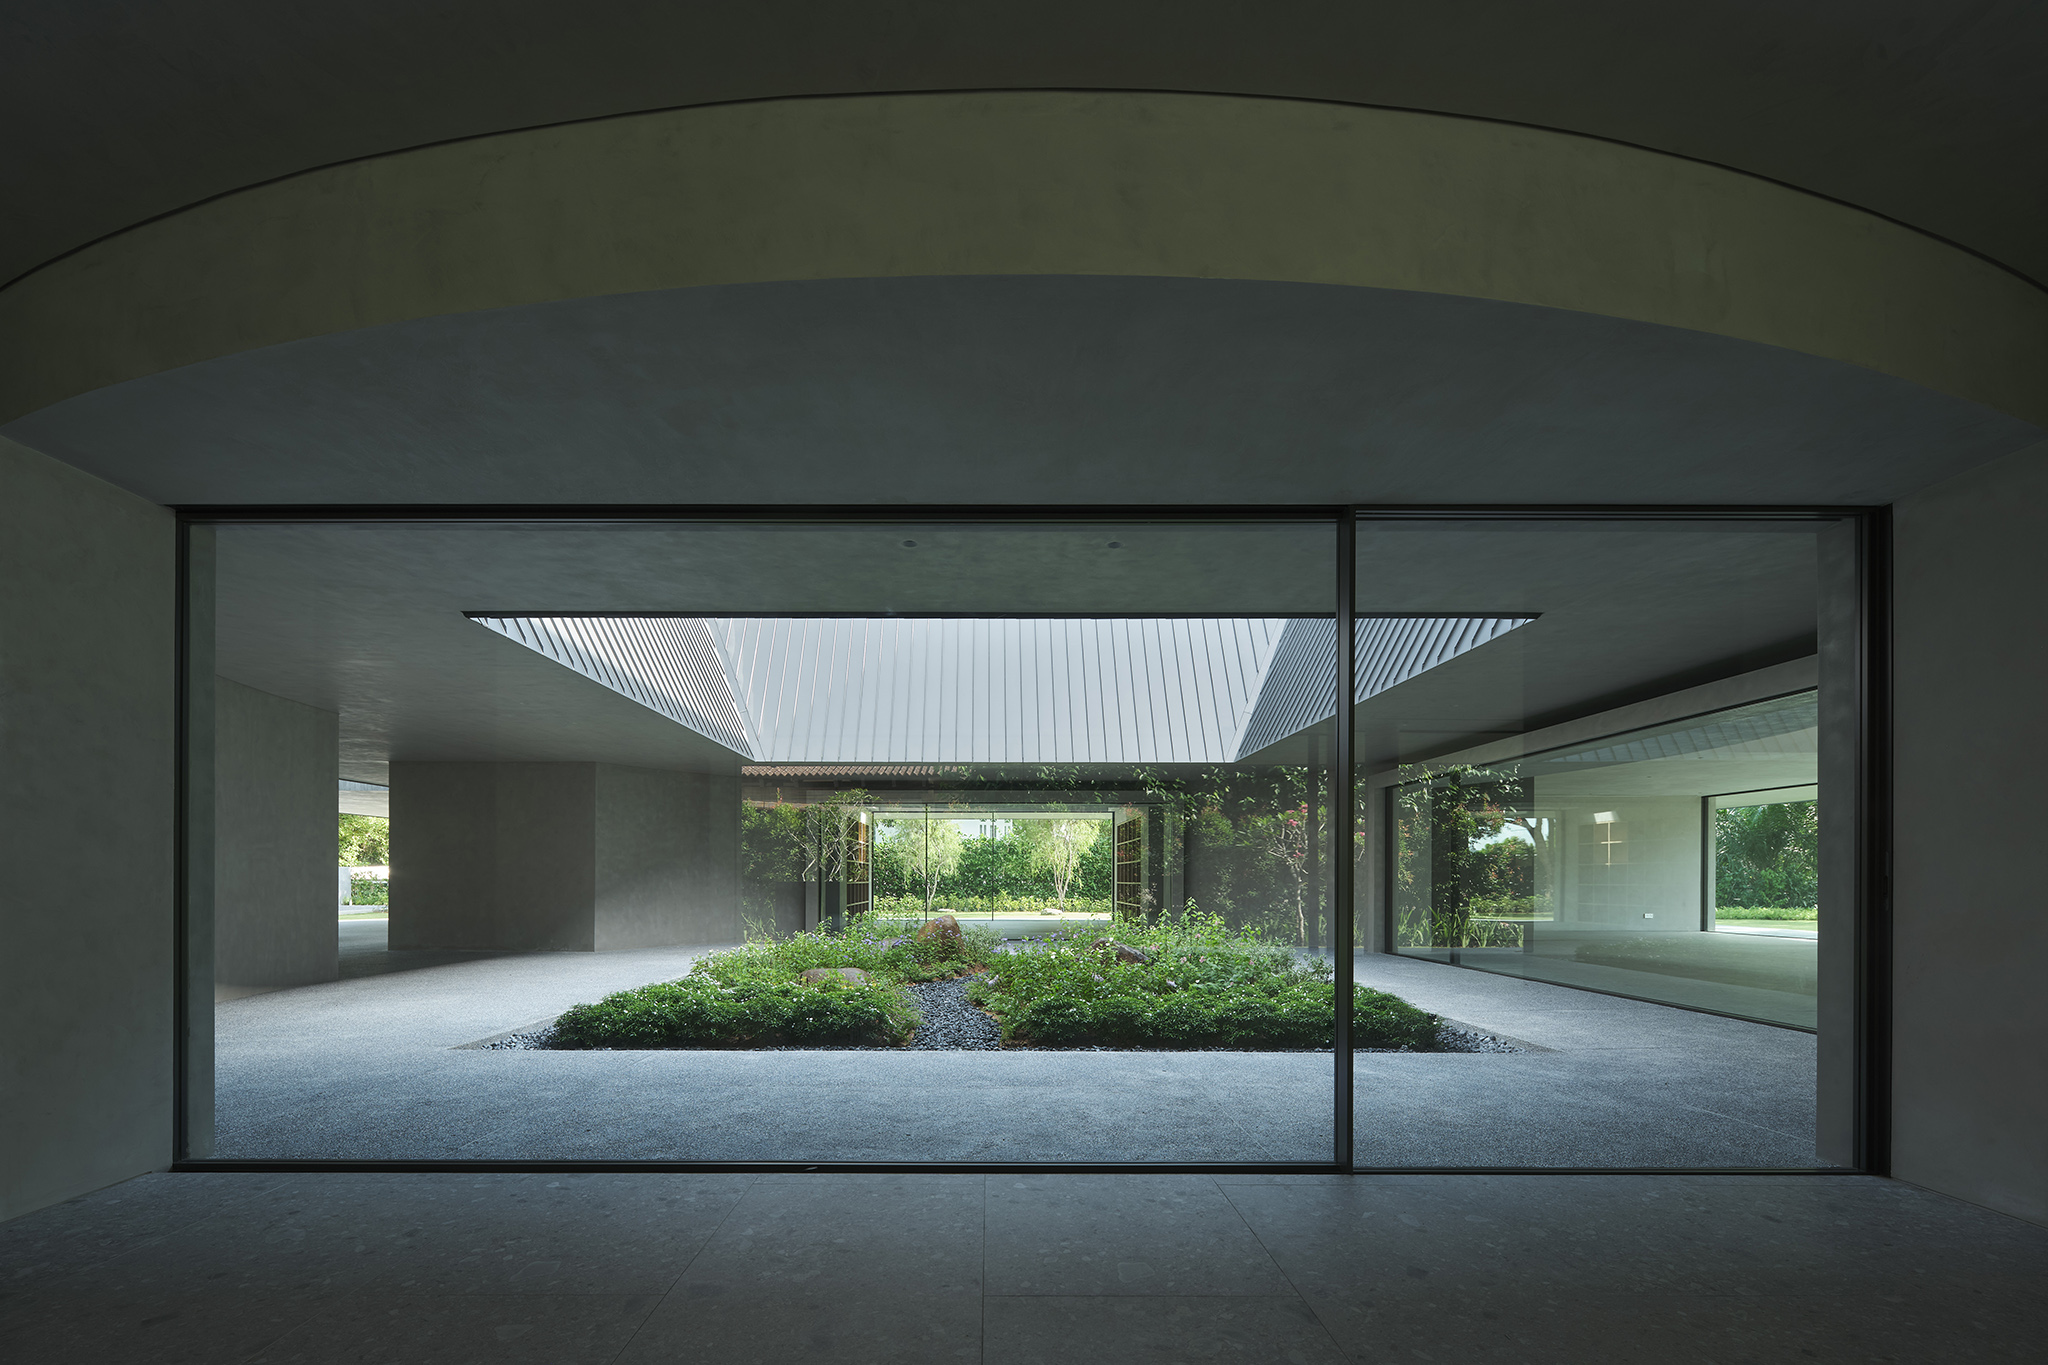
[[1026, 183], [1933, 115], [1035, 390]]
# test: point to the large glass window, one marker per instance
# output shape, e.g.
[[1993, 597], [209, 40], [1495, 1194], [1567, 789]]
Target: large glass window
[[1591, 837], [759, 841], [1611, 865], [1019, 840]]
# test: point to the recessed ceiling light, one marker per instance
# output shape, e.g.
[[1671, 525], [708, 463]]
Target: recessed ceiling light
[[910, 545], [1116, 545]]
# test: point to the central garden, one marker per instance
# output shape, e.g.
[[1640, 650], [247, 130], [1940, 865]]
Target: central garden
[[1188, 983]]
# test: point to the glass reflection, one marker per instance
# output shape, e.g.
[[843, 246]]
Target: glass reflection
[[1676, 864]]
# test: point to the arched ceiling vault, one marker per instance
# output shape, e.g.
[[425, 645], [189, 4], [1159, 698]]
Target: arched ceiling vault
[[1934, 115], [1041, 183]]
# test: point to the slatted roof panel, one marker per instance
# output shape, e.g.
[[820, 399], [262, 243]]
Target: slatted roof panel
[[1035, 691]]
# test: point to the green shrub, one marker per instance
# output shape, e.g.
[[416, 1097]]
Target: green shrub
[[364, 840], [1806, 913], [753, 996], [368, 891], [1205, 985], [884, 947], [703, 1011], [1768, 855]]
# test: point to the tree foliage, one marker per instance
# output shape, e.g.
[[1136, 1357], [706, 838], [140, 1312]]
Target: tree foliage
[[977, 871], [1058, 847], [1767, 855], [920, 854], [1239, 857], [1243, 861], [365, 841], [1452, 865]]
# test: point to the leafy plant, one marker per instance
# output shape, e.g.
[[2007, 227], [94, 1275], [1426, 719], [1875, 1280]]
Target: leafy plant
[[1456, 861], [1058, 846], [1768, 855], [369, 891], [755, 996], [365, 841], [1000, 904], [824, 835], [706, 1011], [1201, 984], [925, 851], [1291, 836]]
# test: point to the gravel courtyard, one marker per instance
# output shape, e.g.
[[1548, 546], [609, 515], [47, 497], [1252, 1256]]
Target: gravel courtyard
[[384, 1065]]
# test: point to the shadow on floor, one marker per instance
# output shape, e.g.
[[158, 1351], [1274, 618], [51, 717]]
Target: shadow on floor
[[364, 952]]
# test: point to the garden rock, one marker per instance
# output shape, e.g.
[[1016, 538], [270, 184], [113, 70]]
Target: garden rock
[[852, 976], [1121, 952], [944, 928]]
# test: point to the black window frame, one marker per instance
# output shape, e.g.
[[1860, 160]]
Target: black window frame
[[1864, 667]]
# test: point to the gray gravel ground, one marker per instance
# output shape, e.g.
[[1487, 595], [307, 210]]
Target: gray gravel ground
[[387, 1067]]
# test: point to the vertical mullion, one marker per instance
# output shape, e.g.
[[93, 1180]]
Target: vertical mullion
[[1343, 798], [1873, 797]]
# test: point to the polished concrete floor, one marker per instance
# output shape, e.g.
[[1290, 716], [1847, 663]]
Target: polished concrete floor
[[1042, 1270], [1767, 974], [376, 1066]]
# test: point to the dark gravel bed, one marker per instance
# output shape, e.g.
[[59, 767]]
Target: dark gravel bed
[[950, 1023], [1449, 1039], [539, 1039]]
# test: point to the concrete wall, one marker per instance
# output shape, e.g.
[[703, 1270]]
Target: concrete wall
[[1647, 882], [562, 857], [276, 766], [493, 855], [86, 832], [1970, 1080], [668, 858]]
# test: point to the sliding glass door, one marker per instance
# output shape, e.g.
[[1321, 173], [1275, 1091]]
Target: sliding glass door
[[1419, 841]]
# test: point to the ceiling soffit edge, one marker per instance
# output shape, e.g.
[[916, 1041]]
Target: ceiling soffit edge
[[1026, 183]]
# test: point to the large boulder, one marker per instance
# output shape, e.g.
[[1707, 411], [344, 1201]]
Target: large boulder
[[852, 976], [944, 928], [1121, 952]]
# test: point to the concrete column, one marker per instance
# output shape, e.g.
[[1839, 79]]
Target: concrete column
[[1969, 1081], [87, 824], [668, 858], [562, 857], [276, 766]]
